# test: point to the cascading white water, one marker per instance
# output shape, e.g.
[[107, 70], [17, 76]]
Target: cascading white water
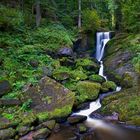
[[102, 39]]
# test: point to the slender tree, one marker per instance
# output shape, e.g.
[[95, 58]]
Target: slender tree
[[38, 13], [79, 15]]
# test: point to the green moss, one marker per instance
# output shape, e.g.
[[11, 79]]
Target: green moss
[[61, 73], [126, 103], [97, 78], [11, 18], [87, 64], [48, 99], [78, 75], [58, 112], [87, 91], [42, 116], [108, 85]]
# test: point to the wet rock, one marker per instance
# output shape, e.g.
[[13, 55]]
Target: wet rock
[[57, 127], [49, 124], [49, 99], [82, 128], [113, 118], [42, 133], [83, 106], [95, 115], [9, 102], [34, 63], [5, 87], [6, 134], [76, 119], [65, 51]]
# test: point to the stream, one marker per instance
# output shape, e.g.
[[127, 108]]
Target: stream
[[103, 130]]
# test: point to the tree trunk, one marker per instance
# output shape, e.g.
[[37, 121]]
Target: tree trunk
[[38, 13], [79, 16], [118, 15]]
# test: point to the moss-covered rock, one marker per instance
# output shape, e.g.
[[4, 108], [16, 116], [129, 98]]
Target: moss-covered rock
[[6, 134], [126, 103], [97, 78], [127, 80], [61, 103], [108, 86], [88, 64], [87, 90]]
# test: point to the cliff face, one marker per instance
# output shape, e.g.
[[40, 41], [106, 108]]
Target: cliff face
[[122, 65]]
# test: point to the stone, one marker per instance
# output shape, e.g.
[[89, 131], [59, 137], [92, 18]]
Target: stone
[[5, 87], [65, 51], [49, 124], [57, 127], [42, 133], [5, 123], [112, 118], [49, 99], [9, 102], [6, 134], [87, 90], [22, 130], [76, 119], [95, 115], [108, 86]]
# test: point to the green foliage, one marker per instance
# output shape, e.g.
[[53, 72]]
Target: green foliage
[[53, 34], [10, 18], [8, 116], [91, 20], [131, 14], [136, 63]]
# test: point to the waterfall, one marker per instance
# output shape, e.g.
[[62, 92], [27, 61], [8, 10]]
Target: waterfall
[[101, 40]]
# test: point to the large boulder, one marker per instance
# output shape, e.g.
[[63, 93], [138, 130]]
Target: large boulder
[[108, 86], [65, 51], [49, 99], [5, 87], [87, 90]]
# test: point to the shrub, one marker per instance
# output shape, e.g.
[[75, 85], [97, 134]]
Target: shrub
[[91, 20], [10, 18]]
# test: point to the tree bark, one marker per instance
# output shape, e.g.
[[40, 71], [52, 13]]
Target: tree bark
[[38, 13], [79, 15]]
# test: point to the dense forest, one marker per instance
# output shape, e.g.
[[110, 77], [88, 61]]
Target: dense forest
[[49, 69]]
